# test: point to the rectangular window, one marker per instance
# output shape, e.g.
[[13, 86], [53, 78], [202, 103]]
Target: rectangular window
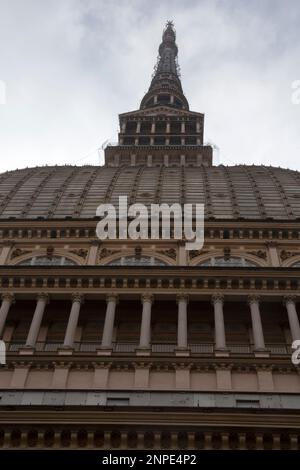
[[247, 404]]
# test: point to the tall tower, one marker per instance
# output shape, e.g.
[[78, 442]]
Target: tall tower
[[163, 131], [131, 344]]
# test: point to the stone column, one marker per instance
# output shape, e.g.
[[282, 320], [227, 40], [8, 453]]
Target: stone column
[[182, 258], [77, 300], [182, 301], [37, 318], [258, 334], [220, 341], [93, 252], [7, 300], [273, 252], [289, 301], [109, 321], [145, 334], [7, 246]]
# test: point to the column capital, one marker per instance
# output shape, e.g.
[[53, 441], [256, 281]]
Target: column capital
[[288, 299], [147, 298], [95, 242], [218, 297], [182, 296], [113, 297], [77, 297], [8, 296], [43, 296], [8, 243], [253, 299], [271, 243]]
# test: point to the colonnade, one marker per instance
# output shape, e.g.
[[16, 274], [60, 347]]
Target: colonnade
[[147, 300]]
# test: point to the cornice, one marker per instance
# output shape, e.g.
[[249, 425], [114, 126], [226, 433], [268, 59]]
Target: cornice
[[240, 363], [154, 416]]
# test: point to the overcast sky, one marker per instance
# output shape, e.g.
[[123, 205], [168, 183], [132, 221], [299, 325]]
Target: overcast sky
[[71, 66]]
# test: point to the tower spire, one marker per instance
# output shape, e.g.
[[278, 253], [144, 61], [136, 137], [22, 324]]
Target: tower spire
[[165, 87], [168, 50], [163, 131]]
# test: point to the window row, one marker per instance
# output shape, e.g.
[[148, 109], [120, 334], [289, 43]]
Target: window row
[[233, 261]]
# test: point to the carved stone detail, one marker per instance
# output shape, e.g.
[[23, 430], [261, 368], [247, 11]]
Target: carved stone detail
[[284, 254], [259, 253], [195, 253], [50, 251], [105, 252], [19, 252], [227, 252], [218, 297], [253, 299], [138, 252], [171, 253], [77, 297], [81, 252]]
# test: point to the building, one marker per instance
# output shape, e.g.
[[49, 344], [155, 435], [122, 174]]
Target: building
[[130, 344]]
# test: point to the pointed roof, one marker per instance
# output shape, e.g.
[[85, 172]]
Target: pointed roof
[[166, 77], [168, 50]]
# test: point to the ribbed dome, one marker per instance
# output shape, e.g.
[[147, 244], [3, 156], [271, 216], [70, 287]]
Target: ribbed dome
[[249, 192]]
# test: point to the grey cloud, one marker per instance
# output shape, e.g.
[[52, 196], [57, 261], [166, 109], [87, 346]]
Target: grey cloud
[[71, 66]]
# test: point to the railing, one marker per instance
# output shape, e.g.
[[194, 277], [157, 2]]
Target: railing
[[163, 347], [130, 347], [202, 348], [125, 347], [279, 348], [153, 146], [48, 347], [240, 348], [87, 347], [15, 346]]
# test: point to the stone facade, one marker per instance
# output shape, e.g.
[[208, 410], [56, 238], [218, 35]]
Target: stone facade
[[142, 344]]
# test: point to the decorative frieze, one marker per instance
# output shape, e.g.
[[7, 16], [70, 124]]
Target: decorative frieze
[[200, 279], [170, 252], [19, 252], [105, 252], [81, 252], [259, 253], [285, 254]]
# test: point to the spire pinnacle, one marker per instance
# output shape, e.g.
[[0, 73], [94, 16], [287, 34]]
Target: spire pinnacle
[[166, 82], [168, 51]]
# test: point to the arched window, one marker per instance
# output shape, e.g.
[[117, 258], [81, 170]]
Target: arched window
[[295, 265], [137, 261], [45, 261], [230, 262]]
